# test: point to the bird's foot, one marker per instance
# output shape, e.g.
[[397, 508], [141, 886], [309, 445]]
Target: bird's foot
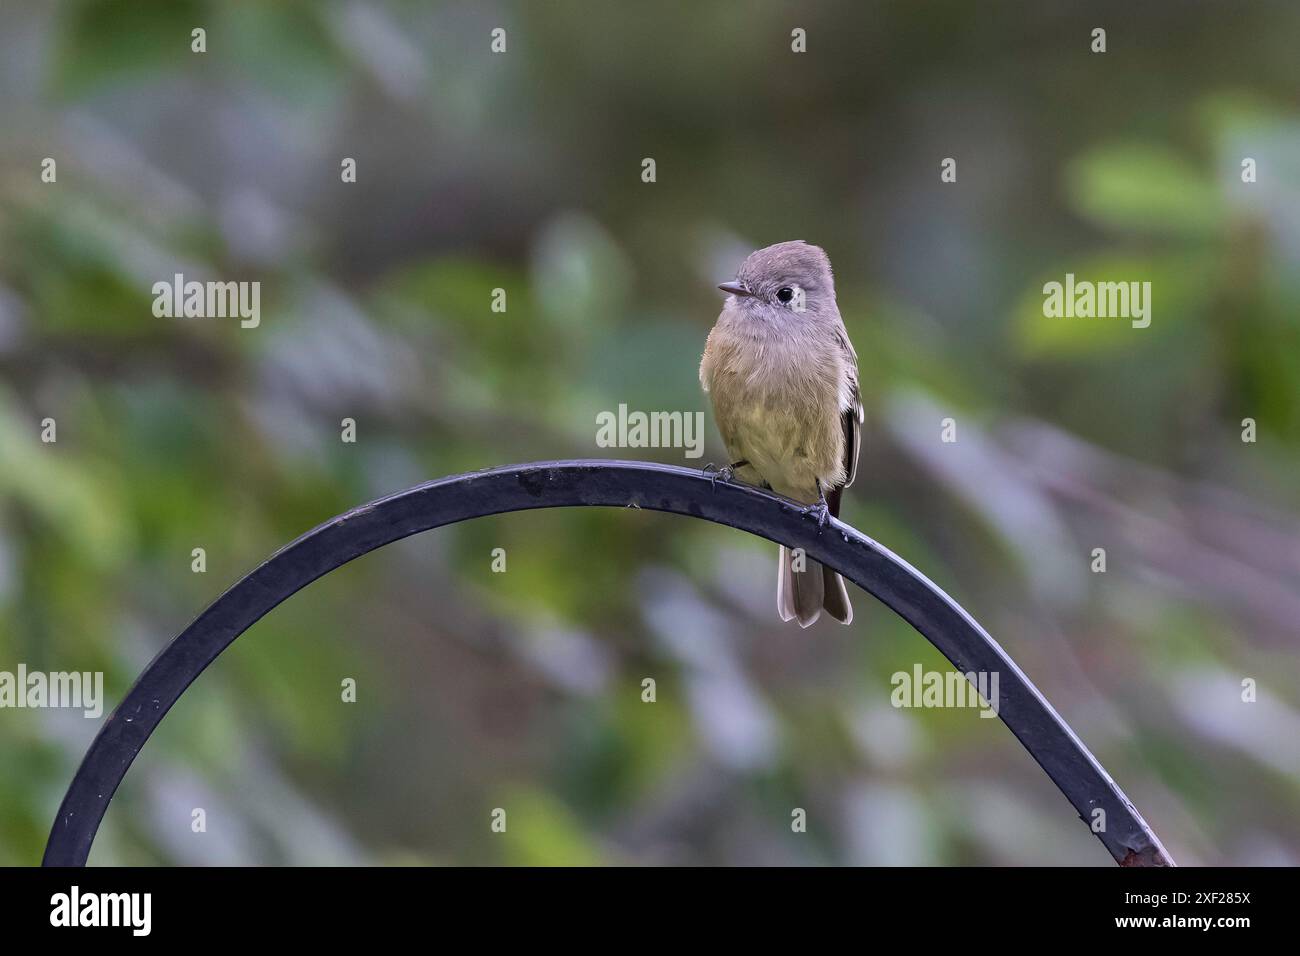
[[820, 511], [725, 473]]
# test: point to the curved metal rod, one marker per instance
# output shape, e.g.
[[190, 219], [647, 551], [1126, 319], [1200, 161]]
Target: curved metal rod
[[616, 484]]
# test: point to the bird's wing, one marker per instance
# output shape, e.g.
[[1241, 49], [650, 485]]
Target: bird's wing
[[852, 416]]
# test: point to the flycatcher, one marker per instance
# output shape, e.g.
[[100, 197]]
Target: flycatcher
[[783, 379]]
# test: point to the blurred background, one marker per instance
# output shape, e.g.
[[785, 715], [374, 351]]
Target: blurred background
[[522, 171]]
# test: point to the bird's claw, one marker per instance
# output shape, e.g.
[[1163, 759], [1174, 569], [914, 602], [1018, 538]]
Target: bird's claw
[[726, 473], [820, 511]]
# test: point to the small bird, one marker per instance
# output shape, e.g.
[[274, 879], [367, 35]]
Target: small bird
[[783, 379]]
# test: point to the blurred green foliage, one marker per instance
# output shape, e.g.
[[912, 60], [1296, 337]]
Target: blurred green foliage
[[521, 172]]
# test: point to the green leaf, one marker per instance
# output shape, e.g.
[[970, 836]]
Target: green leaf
[[1145, 188]]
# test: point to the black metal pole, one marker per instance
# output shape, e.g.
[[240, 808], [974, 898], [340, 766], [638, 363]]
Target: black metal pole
[[604, 483]]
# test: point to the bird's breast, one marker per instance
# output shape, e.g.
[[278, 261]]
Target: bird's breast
[[777, 404]]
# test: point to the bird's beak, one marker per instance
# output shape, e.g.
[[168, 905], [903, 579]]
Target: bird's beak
[[735, 288]]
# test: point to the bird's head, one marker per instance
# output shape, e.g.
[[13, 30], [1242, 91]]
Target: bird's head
[[789, 277]]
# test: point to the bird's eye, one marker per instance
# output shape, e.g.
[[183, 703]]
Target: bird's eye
[[785, 294]]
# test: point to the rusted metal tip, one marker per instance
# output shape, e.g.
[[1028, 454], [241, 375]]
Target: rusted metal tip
[[1149, 856]]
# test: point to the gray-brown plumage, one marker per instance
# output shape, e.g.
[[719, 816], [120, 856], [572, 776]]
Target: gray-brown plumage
[[783, 379]]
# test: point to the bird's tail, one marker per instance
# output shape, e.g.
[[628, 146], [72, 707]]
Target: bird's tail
[[804, 588]]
